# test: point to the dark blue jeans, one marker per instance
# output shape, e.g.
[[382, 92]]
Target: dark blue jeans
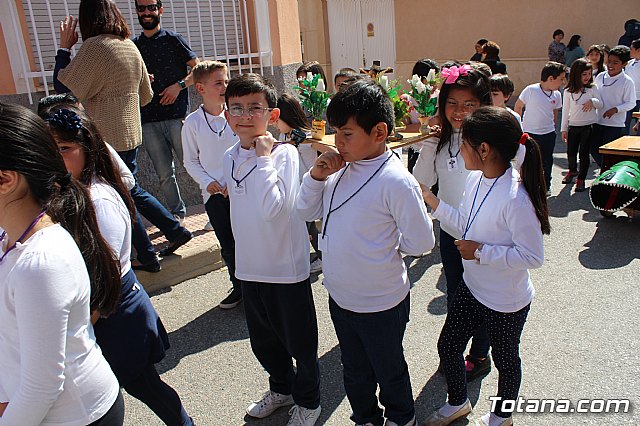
[[602, 135], [547, 143], [115, 415], [148, 206], [372, 355], [453, 270], [219, 212], [163, 400]]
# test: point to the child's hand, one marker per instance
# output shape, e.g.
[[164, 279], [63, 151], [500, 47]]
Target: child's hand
[[225, 191], [564, 137], [610, 112], [264, 145], [214, 187], [68, 34], [588, 106], [3, 406], [430, 198], [467, 248], [326, 165]]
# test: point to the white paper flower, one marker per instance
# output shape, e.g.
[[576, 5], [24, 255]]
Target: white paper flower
[[384, 82], [309, 76], [414, 80], [320, 87], [421, 87], [432, 75]]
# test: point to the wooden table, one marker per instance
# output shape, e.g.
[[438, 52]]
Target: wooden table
[[410, 135], [624, 148], [636, 115]]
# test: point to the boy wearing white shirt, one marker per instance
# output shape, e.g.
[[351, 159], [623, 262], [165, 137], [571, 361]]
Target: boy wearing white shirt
[[206, 136], [542, 101], [633, 70], [618, 95], [372, 211], [272, 252]]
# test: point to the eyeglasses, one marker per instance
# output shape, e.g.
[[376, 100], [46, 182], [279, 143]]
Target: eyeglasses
[[151, 7], [254, 111]]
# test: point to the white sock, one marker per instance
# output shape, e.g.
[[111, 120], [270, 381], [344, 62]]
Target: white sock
[[448, 410], [492, 419]]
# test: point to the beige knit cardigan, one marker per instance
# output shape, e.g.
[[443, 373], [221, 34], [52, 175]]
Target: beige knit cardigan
[[110, 78]]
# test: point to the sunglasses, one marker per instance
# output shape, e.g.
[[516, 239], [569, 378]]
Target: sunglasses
[[151, 7]]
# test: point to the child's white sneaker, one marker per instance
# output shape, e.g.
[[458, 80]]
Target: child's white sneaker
[[269, 403], [390, 423], [491, 419], [316, 266], [301, 416]]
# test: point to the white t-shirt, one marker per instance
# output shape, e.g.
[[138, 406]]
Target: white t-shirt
[[509, 229], [126, 175], [205, 139], [363, 240], [539, 106], [516, 115], [52, 370], [114, 222], [619, 92], [272, 242], [431, 168], [572, 104], [633, 70]]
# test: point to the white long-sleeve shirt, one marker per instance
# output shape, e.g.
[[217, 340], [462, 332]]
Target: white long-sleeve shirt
[[114, 222], [619, 92], [509, 229], [126, 175], [272, 242], [204, 148], [633, 70], [52, 372], [433, 167], [363, 240], [572, 103]]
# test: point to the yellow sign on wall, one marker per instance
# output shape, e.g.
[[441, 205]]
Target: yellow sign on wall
[[370, 30]]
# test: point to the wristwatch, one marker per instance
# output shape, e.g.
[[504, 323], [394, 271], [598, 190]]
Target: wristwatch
[[478, 252], [182, 84]]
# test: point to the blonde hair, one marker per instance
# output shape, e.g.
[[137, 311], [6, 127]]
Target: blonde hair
[[203, 70]]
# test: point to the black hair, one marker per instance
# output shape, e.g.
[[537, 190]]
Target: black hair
[[605, 48], [636, 44], [558, 32], [98, 162], [621, 52], [250, 83], [341, 73], [503, 83], [482, 67], [423, 66], [482, 41], [27, 147], [477, 82], [597, 48], [291, 112], [61, 99], [500, 130], [313, 67], [573, 42], [579, 66], [491, 50], [552, 69], [158, 2], [364, 100]]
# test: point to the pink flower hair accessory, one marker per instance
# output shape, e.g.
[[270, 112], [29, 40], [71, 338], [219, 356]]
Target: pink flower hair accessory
[[451, 74]]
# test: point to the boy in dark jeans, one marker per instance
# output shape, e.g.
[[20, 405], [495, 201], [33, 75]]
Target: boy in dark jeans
[[372, 210], [272, 252]]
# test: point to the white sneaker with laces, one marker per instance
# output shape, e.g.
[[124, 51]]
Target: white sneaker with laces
[[269, 403], [208, 227], [316, 266], [301, 416]]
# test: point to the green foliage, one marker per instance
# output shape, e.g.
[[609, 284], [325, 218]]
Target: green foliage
[[313, 100]]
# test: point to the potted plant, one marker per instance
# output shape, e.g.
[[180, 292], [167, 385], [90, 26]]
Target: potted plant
[[314, 98], [422, 91], [401, 106]]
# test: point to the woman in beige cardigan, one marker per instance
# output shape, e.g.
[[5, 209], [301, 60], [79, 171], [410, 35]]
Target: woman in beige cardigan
[[110, 78]]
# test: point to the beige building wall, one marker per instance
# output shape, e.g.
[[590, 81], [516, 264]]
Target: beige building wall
[[523, 29]]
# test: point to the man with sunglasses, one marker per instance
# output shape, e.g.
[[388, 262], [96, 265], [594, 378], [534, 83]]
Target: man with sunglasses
[[167, 57]]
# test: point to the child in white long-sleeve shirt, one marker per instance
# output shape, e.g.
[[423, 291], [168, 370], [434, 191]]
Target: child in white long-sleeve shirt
[[206, 136], [501, 218], [579, 113], [272, 252], [372, 212], [618, 95]]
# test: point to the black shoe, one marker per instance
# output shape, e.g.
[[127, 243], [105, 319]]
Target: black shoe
[[149, 267], [232, 300], [175, 245], [477, 368]]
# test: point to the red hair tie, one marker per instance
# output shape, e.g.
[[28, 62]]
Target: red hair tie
[[523, 138]]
